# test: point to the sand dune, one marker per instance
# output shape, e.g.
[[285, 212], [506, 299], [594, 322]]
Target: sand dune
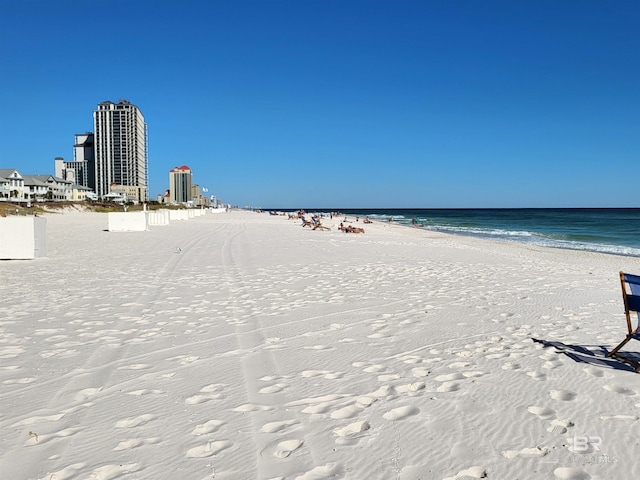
[[242, 346]]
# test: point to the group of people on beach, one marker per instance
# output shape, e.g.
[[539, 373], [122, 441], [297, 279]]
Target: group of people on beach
[[315, 222], [350, 228]]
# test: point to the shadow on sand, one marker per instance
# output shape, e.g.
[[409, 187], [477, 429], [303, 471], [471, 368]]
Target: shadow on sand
[[593, 355]]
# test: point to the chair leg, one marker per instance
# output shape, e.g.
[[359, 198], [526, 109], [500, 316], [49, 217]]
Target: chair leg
[[622, 344], [633, 363], [614, 353]]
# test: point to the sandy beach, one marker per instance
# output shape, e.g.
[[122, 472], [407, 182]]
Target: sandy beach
[[243, 346]]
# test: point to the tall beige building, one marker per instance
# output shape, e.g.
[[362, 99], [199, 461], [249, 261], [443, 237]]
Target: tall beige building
[[120, 145], [180, 185]]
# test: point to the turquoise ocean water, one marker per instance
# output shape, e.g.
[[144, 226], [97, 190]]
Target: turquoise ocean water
[[606, 230]]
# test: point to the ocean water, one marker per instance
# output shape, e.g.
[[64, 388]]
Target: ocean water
[[605, 230]]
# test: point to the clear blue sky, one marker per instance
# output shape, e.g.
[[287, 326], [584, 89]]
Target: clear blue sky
[[341, 103]]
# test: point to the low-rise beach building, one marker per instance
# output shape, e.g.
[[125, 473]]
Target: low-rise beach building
[[48, 187], [11, 185]]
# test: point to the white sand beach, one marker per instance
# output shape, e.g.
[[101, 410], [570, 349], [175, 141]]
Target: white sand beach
[[243, 346]]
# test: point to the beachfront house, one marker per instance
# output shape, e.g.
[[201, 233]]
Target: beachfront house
[[128, 193], [35, 189], [47, 187], [15, 187], [11, 185], [79, 193]]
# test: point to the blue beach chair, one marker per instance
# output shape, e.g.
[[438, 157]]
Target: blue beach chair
[[631, 296]]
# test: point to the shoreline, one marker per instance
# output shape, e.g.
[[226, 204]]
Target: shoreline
[[246, 346], [605, 234]]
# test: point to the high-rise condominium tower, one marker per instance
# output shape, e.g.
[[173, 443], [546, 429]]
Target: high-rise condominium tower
[[120, 139], [180, 185], [81, 169]]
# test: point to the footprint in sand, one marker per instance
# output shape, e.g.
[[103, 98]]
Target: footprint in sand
[[40, 419], [571, 473], [287, 447], [145, 391], [317, 409], [251, 407], [400, 413], [364, 402], [113, 471], [135, 421], [208, 392], [384, 391], [537, 375], [564, 395], [324, 471], [346, 412], [135, 442], [619, 389], [511, 366], [449, 377], [410, 388], [209, 449], [537, 451], [86, 393], [11, 351], [314, 373], [375, 369], [19, 381], [278, 387], [352, 429], [69, 471], [322, 373], [276, 427], [473, 472], [619, 417], [448, 387], [559, 426], [593, 371], [493, 356], [200, 398], [466, 354], [459, 365], [211, 426], [551, 364], [375, 336], [332, 397], [411, 359], [136, 366], [185, 359], [420, 372], [10, 367], [543, 413]]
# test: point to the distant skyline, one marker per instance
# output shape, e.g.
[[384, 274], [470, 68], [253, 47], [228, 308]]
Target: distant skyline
[[340, 104]]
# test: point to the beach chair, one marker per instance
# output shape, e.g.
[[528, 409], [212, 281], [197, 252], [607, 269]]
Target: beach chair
[[318, 225], [631, 297]]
